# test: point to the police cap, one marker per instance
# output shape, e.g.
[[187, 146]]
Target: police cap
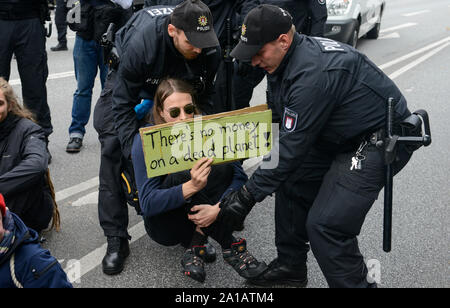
[[195, 19], [262, 25]]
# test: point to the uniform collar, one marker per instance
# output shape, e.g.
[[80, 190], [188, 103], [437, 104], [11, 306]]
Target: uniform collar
[[296, 40]]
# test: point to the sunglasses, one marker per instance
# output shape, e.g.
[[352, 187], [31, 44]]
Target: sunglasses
[[188, 109]]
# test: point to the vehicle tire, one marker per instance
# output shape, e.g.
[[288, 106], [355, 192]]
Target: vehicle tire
[[375, 32], [353, 41]]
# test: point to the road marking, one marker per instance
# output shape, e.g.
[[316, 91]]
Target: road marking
[[69, 192], [402, 26], [94, 258], [16, 82], [389, 36], [417, 62], [416, 13], [91, 198], [414, 53]]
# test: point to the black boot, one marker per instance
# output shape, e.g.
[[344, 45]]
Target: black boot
[[59, 47], [192, 262], [279, 274], [242, 261], [118, 250]]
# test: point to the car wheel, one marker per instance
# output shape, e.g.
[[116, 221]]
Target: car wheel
[[375, 32], [353, 41]]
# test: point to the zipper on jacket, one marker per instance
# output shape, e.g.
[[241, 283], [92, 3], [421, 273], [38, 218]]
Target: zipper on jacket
[[38, 275]]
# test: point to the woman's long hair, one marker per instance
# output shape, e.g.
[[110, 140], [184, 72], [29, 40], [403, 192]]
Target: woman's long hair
[[12, 100], [166, 88]]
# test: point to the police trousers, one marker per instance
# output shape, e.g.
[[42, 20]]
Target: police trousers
[[112, 204], [26, 40], [325, 204]]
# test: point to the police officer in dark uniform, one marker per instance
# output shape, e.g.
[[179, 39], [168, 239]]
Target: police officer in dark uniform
[[23, 34], [330, 101], [309, 19], [61, 25], [235, 11], [156, 43]]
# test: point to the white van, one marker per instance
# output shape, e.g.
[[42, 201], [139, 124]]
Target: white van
[[349, 20]]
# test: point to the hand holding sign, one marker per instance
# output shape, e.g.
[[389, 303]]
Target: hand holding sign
[[199, 177]]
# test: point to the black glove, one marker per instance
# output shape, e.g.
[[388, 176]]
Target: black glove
[[235, 207]]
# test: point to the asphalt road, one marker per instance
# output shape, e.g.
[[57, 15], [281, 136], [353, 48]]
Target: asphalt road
[[420, 255]]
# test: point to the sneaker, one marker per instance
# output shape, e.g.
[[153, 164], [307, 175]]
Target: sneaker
[[74, 145], [59, 47], [280, 274], [242, 261], [193, 265]]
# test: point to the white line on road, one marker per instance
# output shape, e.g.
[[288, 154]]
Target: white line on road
[[415, 53], [16, 82], [402, 26], [393, 35], [66, 193], [417, 62], [91, 198], [94, 258], [416, 13]]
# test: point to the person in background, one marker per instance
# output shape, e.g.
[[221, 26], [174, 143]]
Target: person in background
[[23, 162]]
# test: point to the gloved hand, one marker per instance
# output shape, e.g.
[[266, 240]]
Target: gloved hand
[[235, 207], [143, 108], [244, 68]]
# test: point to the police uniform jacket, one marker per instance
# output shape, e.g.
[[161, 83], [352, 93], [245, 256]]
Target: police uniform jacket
[[221, 11], [327, 95], [300, 10], [148, 55], [20, 9]]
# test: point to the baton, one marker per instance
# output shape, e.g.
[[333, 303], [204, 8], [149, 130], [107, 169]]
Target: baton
[[389, 178], [390, 144]]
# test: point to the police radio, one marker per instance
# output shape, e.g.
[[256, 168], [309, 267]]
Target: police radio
[[416, 133]]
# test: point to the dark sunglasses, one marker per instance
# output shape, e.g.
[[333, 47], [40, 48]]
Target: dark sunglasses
[[188, 109]]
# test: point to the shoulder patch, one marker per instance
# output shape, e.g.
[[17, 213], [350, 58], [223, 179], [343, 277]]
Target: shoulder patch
[[328, 45], [290, 119]]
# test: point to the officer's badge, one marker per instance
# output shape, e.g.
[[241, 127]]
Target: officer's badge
[[203, 21], [244, 30], [290, 120]]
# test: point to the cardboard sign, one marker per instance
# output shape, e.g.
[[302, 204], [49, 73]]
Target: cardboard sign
[[225, 137]]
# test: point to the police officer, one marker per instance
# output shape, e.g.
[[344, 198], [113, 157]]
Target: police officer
[[23, 34], [156, 43], [61, 25], [235, 11], [330, 100], [309, 19]]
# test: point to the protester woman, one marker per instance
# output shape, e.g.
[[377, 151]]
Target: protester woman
[[23, 162], [183, 208]]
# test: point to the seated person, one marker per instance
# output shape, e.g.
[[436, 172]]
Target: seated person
[[182, 208], [23, 162], [23, 263]]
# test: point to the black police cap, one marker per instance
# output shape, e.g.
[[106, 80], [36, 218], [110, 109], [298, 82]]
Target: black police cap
[[262, 25], [195, 19]]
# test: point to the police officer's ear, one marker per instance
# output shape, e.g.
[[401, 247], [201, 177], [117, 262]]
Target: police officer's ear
[[172, 30], [284, 41]]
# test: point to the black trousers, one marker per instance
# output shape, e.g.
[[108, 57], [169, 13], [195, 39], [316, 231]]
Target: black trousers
[[112, 204], [174, 227], [325, 204], [61, 20], [26, 40]]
